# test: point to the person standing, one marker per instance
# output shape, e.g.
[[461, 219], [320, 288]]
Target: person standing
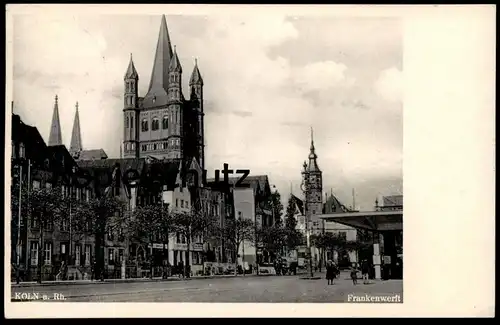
[[330, 272], [365, 270], [354, 273]]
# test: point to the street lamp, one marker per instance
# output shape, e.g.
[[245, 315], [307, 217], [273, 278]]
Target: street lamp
[[304, 186], [18, 246]]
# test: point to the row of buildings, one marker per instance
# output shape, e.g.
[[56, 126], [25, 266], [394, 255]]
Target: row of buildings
[[163, 133]]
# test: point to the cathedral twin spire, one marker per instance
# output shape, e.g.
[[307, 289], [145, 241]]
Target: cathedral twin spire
[[55, 137]]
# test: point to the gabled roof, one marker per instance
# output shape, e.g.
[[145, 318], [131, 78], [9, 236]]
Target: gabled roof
[[35, 146], [92, 154], [260, 183], [59, 157], [333, 205], [298, 204]]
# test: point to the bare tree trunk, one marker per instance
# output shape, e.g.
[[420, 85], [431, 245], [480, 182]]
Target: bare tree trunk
[[187, 265], [151, 258], [237, 246]]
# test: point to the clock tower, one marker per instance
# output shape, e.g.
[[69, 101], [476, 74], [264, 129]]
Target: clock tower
[[314, 188]]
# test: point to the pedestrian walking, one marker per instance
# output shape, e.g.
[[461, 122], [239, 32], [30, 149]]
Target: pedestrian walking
[[365, 270], [330, 272], [354, 273]]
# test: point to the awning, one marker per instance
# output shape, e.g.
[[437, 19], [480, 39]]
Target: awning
[[370, 220]]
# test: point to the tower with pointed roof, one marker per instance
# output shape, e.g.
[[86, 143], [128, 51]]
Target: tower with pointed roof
[[314, 189], [76, 137], [55, 138], [164, 124]]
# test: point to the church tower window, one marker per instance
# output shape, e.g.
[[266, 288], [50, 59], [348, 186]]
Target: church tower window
[[155, 125], [128, 121], [165, 123], [144, 125]]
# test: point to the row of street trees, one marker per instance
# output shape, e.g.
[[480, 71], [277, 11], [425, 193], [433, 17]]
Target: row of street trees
[[95, 217]]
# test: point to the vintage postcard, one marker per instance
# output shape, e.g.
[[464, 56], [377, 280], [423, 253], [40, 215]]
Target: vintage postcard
[[209, 154]]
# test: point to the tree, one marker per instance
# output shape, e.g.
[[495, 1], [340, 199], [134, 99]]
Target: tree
[[294, 237], [273, 238], [190, 224], [235, 232], [334, 242], [277, 206], [149, 223], [95, 217]]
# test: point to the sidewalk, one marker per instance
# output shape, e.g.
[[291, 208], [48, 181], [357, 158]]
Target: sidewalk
[[130, 280]]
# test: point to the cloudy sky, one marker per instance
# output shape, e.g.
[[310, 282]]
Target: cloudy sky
[[268, 80]]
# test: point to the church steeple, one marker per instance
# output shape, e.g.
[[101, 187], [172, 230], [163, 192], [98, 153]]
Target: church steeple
[[76, 136], [159, 76], [55, 138], [196, 78], [131, 71], [313, 164]]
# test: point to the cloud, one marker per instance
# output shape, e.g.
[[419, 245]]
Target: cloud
[[389, 84], [259, 102], [322, 76]]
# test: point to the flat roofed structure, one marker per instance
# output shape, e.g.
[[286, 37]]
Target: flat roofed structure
[[369, 220]]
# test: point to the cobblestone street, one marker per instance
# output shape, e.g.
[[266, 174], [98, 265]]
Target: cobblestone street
[[289, 289]]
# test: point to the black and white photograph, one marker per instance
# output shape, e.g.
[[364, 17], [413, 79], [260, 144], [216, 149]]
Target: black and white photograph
[[176, 157]]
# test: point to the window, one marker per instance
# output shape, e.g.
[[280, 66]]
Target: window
[[182, 203], [110, 234], [78, 252], [34, 220], [48, 225], [47, 253], [165, 123], [34, 253], [64, 248], [343, 235], [154, 146], [64, 225], [22, 151], [155, 125], [120, 255], [111, 254], [144, 125], [128, 121], [143, 147], [87, 254]]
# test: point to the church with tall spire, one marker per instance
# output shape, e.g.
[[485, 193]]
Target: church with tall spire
[[163, 123]]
